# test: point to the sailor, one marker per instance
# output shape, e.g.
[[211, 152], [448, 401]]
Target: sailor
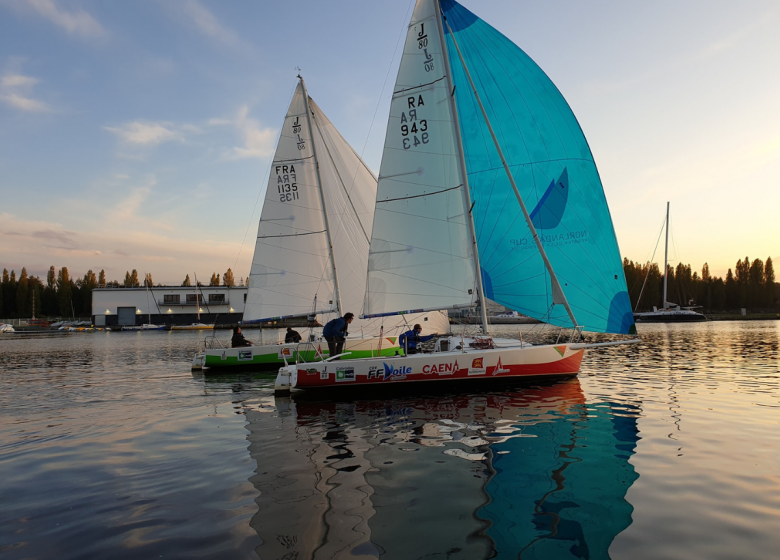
[[410, 339], [238, 339], [335, 333], [292, 336]]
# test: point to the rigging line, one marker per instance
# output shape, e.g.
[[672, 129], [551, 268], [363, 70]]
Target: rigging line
[[418, 195], [259, 192], [289, 234], [663, 223]]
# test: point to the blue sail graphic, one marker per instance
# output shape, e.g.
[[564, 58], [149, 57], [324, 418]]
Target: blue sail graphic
[[554, 170]]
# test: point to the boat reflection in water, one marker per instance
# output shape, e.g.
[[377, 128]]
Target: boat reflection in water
[[534, 472]]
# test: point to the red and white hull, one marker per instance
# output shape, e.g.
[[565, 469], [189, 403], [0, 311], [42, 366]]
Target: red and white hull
[[473, 364]]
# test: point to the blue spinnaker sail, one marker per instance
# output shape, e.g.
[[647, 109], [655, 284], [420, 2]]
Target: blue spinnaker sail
[[554, 170]]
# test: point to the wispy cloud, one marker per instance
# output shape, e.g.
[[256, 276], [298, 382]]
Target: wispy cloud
[[16, 92], [259, 141], [145, 133], [74, 22], [205, 22]]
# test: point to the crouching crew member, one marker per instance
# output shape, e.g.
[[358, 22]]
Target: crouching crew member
[[410, 339], [292, 336], [335, 333]]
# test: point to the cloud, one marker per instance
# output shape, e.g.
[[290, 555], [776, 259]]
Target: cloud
[[15, 91], [145, 133], [259, 141], [205, 22], [77, 22]]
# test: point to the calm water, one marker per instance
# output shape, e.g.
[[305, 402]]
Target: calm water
[[110, 447]]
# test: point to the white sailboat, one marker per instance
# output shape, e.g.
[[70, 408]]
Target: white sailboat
[[145, 326], [312, 246], [197, 326], [487, 189], [670, 312]]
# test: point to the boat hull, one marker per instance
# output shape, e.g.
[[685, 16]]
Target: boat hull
[[671, 318], [491, 364], [274, 355]]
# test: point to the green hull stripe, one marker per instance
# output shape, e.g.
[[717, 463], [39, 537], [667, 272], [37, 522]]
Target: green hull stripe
[[273, 358]]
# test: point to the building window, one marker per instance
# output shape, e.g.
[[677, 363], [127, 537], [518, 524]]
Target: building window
[[172, 298], [216, 298], [191, 298], [244, 298]]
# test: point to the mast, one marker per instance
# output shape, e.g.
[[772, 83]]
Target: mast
[[322, 198], [666, 254], [557, 292], [197, 302], [463, 174]]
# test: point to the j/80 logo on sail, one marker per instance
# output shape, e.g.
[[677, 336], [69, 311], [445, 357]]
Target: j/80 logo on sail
[[392, 371]]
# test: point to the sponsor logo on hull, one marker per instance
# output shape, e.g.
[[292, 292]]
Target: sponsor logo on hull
[[345, 374], [477, 367], [391, 371], [244, 355], [442, 369]]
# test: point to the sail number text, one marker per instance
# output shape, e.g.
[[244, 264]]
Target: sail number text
[[285, 183], [413, 129]]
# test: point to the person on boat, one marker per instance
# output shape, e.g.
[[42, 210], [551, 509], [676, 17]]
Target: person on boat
[[238, 339], [292, 336], [335, 333], [410, 339]]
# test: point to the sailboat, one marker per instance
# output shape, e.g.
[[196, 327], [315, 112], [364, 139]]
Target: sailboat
[[197, 326], [670, 312], [146, 326], [487, 190], [312, 247]]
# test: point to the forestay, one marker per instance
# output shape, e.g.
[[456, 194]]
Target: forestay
[[420, 256], [555, 173]]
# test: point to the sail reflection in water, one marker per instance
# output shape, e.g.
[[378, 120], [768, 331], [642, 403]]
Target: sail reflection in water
[[532, 472]]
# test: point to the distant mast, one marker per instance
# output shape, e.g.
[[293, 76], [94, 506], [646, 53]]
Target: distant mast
[[666, 256]]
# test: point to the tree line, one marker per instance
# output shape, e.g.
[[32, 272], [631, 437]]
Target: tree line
[[750, 285], [60, 295]]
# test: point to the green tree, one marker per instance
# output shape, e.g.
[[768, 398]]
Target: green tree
[[36, 289], [187, 281], [102, 278], [64, 292], [134, 279], [148, 280], [9, 293], [49, 304], [228, 279], [214, 279], [769, 283], [23, 294], [732, 291], [756, 284]]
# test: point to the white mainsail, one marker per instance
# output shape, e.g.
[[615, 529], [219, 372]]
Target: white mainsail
[[420, 256], [291, 265]]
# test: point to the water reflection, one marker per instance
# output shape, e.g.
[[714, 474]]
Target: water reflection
[[533, 472]]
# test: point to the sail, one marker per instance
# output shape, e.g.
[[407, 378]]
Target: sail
[[420, 256], [554, 170], [291, 264]]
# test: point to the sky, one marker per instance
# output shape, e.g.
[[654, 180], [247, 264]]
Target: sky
[[138, 135]]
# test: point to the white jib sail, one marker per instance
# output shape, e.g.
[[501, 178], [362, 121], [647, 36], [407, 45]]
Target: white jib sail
[[291, 264], [420, 256]]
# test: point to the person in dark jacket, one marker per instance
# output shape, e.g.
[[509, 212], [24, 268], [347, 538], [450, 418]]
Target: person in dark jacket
[[238, 339], [292, 336], [410, 339], [335, 333]]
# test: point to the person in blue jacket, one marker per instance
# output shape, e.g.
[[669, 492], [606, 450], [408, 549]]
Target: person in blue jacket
[[335, 333], [410, 339]]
